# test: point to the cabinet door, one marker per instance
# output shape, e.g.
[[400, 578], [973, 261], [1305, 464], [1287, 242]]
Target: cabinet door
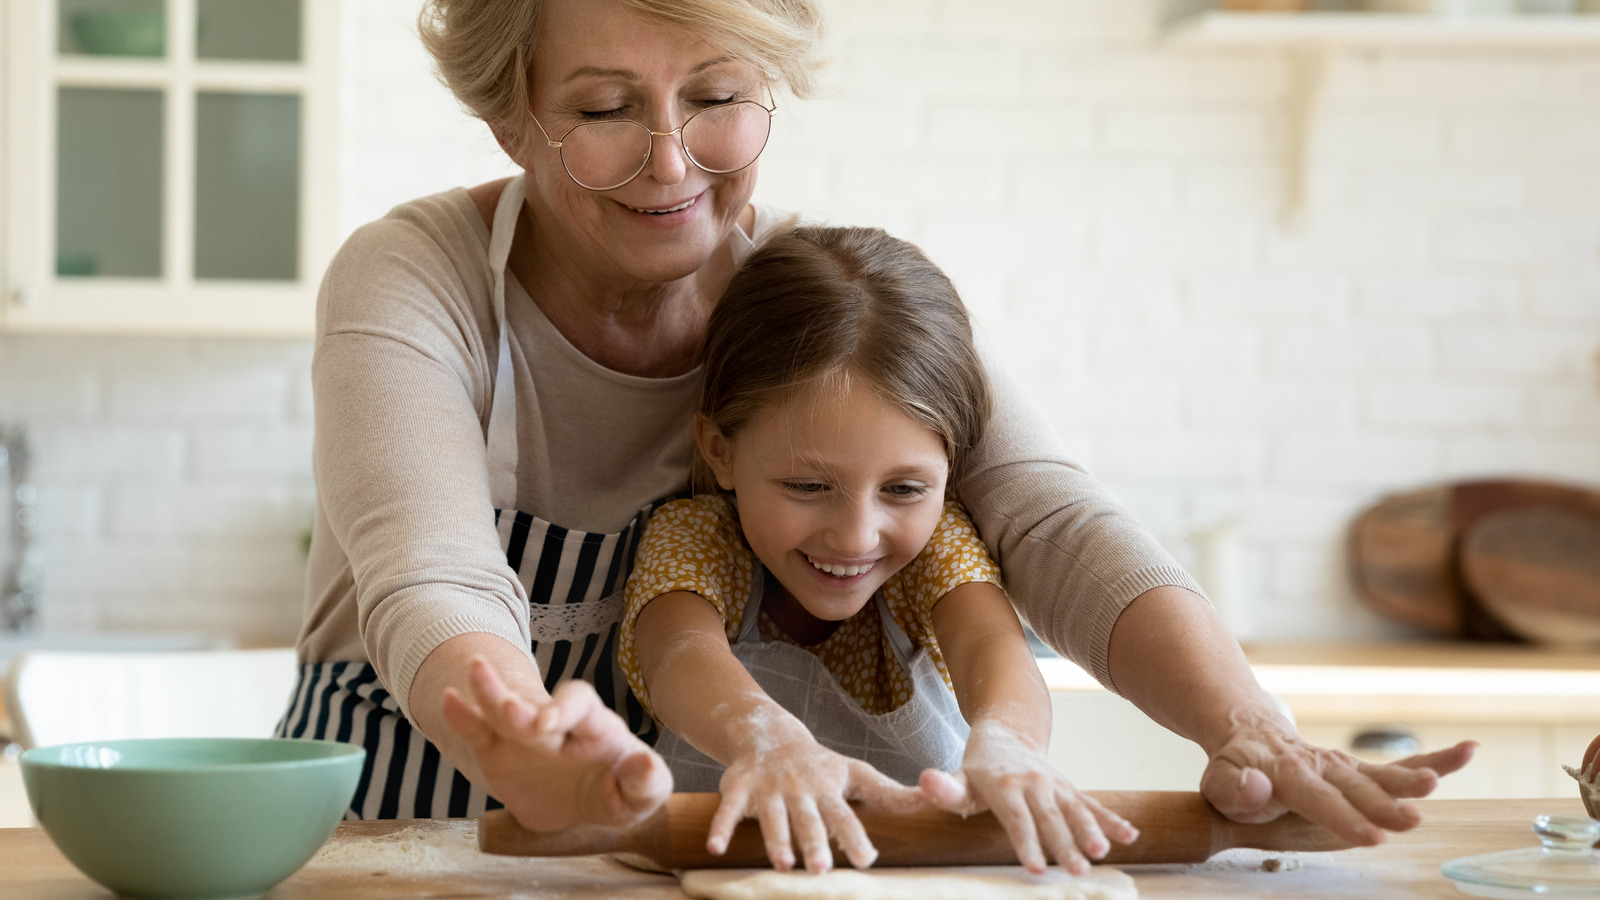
[[171, 164], [1100, 741], [1512, 760]]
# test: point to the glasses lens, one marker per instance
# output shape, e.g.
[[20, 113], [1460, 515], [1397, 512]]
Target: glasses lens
[[604, 155], [727, 138]]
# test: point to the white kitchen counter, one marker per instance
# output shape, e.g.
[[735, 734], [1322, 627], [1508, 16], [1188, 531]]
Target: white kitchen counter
[[14, 811]]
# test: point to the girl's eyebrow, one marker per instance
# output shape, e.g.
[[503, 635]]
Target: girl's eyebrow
[[631, 75]]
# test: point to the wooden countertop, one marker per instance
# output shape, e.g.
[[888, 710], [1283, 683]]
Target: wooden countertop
[[1405, 867]]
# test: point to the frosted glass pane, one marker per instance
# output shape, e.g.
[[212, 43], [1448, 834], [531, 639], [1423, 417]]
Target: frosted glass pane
[[108, 182], [248, 29], [112, 27], [247, 186]]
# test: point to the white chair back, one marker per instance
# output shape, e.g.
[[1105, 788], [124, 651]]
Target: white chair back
[[60, 697]]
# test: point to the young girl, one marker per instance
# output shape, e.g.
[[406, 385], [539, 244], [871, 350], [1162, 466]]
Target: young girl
[[829, 607]]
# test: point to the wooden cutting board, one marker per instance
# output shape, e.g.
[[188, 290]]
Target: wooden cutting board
[[1537, 570], [1174, 827], [1404, 550]]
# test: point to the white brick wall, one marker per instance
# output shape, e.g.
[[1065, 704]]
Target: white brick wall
[[1110, 208]]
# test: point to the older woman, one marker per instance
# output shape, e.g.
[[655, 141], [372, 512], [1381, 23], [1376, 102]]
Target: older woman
[[504, 378]]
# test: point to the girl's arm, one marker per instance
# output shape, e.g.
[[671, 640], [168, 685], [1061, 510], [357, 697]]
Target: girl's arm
[[776, 772], [1004, 769]]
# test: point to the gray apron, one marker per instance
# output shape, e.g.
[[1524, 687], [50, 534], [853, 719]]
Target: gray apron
[[574, 582], [925, 732]]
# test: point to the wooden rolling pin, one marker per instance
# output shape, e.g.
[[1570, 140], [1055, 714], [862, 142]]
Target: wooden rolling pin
[[1174, 827]]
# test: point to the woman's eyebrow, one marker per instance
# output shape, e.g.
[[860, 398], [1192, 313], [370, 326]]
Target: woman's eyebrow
[[631, 75]]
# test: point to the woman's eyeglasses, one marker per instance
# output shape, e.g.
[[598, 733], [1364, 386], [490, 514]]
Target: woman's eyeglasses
[[721, 139]]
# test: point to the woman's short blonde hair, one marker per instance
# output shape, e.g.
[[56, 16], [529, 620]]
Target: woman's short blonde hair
[[483, 48]]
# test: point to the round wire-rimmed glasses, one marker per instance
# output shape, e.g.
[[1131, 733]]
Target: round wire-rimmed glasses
[[603, 156]]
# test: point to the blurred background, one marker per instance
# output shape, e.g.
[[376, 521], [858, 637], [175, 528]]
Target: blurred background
[[1257, 277], [1286, 280]]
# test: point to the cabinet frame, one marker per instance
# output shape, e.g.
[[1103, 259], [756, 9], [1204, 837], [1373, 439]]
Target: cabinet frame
[[37, 300]]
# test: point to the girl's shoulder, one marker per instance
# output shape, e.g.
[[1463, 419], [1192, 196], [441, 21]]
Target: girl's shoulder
[[702, 523]]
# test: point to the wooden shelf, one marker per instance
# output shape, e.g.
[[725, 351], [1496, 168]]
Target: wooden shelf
[[1386, 29]]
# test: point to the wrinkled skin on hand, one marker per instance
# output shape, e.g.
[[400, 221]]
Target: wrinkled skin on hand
[[565, 762], [800, 793], [1264, 769], [1041, 811]]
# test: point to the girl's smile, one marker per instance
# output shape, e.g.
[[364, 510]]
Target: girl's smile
[[837, 490]]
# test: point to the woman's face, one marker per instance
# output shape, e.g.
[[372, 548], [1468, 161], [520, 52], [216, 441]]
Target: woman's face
[[596, 62]]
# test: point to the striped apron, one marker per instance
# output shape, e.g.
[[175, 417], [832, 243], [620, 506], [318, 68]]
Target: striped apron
[[574, 581]]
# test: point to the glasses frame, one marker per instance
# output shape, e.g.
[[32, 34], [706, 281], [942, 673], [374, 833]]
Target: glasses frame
[[556, 143]]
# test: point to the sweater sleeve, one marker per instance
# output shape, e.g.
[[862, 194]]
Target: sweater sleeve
[[1073, 556], [401, 382]]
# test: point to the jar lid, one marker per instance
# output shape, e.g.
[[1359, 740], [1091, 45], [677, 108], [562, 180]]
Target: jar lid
[[1563, 865]]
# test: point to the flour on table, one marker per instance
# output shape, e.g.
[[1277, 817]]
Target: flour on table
[[443, 847], [955, 883]]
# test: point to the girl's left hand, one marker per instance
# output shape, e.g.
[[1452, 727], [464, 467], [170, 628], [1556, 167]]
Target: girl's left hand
[[1038, 808]]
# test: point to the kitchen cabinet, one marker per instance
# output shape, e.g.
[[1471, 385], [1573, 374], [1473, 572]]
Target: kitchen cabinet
[[169, 164]]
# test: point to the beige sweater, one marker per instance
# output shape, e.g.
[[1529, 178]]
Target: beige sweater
[[405, 554]]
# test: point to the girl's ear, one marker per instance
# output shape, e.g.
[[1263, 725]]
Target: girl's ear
[[715, 449]]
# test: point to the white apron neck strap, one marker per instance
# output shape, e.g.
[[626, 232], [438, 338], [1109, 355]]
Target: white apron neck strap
[[899, 641], [502, 434]]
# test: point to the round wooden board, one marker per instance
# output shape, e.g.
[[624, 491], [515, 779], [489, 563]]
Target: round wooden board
[[1537, 570]]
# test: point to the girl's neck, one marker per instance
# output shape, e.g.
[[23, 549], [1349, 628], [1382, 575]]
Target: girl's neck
[[793, 618]]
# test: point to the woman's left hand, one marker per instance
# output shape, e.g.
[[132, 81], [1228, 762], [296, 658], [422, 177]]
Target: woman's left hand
[[1264, 770], [1039, 809]]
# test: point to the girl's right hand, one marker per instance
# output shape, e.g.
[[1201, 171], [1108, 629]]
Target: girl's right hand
[[796, 787]]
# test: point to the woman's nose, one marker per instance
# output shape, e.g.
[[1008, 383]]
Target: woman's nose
[[668, 161]]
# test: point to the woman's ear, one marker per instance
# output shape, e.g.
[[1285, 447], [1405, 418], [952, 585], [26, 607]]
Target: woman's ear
[[508, 142], [715, 449]]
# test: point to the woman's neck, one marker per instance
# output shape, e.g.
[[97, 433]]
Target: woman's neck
[[652, 330]]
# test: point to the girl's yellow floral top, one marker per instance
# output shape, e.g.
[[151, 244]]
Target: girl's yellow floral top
[[696, 545]]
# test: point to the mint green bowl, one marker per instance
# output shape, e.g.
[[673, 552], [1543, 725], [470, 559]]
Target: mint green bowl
[[191, 818]]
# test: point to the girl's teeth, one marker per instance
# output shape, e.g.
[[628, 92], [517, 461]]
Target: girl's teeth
[[841, 571]]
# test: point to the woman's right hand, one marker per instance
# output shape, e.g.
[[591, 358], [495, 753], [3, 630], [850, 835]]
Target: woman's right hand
[[564, 762], [799, 791]]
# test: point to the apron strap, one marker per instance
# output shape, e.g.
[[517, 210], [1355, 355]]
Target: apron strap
[[502, 432], [899, 641]]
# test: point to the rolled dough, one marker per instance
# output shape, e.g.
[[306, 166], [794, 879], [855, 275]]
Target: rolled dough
[[953, 883]]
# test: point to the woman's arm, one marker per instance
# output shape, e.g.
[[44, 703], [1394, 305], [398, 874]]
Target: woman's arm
[[1005, 769], [1174, 659], [1098, 587], [776, 772]]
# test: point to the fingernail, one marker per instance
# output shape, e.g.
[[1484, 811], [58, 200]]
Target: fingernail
[[1244, 776]]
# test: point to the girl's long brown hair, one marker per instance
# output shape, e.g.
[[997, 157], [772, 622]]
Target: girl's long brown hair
[[816, 303]]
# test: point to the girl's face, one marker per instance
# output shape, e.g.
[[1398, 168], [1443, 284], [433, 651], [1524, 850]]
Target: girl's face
[[837, 491], [596, 62]]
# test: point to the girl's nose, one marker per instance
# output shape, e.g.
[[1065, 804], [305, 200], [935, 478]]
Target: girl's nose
[[855, 530]]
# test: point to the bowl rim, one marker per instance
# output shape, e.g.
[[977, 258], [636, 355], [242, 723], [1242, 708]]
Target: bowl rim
[[40, 757]]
